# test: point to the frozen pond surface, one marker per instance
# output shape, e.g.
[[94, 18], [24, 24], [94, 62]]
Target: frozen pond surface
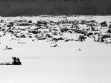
[[65, 64], [43, 64], [58, 70]]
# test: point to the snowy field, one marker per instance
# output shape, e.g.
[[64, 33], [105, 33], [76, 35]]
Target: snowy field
[[71, 62], [58, 70], [65, 64]]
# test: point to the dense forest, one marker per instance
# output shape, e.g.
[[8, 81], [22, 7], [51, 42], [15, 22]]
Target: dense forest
[[54, 0], [34, 8], [47, 0]]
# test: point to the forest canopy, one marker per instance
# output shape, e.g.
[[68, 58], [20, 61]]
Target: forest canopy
[[49, 0]]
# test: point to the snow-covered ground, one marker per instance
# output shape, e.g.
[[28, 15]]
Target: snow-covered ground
[[58, 70], [70, 62]]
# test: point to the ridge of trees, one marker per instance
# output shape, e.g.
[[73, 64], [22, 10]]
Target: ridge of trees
[[48, 0]]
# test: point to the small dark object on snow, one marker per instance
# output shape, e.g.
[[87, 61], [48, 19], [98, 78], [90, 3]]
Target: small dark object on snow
[[8, 48], [16, 61]]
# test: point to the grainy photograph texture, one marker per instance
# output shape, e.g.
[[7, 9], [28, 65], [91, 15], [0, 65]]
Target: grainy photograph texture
[[55, 41]]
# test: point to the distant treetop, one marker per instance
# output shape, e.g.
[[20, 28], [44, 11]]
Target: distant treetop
[[51, 0], [54, 0]]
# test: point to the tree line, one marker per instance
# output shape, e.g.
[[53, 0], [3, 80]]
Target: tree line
[[47, 0]]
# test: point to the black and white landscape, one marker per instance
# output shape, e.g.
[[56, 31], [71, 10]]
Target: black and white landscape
[[56, 49]]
